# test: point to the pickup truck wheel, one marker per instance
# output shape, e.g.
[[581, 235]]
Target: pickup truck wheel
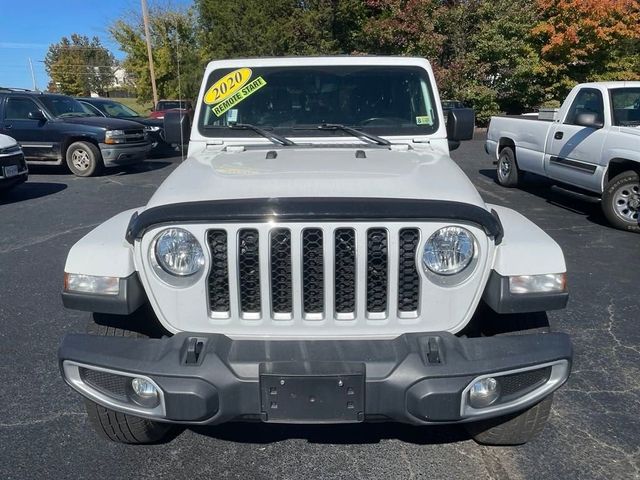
[[514, 429], [621, 201], [122, 427], [507, 171], [84, 159]]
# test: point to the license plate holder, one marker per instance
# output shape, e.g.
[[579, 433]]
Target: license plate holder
[[312, 393], [10, 171]]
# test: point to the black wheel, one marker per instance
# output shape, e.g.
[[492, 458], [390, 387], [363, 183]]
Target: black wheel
[[508, 174], [122, 427], [621, 201], [84, 159], [514, 429]]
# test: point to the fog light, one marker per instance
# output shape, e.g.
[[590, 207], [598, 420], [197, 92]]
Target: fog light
[[484, 392], [144, 392]]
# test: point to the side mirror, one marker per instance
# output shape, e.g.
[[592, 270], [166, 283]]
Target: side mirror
[[177, 127], [460, 124], [589, 120], [36, 115]]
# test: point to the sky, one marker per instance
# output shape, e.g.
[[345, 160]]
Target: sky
[[28, 27]]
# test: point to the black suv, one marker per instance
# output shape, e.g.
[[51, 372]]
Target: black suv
[[105, 107], [53, 129]]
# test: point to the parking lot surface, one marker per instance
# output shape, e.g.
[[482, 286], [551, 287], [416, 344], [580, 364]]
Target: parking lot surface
[[593, 432]]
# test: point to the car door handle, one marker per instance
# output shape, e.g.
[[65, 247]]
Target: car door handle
[[8, 125], [558, 135]]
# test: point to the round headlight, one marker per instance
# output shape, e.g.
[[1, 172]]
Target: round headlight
[[178, 252], [448, 251]]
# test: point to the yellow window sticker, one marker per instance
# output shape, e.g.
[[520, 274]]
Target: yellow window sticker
[[240, 95], [423, 120], [227, 86]]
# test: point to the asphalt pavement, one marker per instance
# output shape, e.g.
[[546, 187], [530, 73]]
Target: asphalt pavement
[[593, 432]]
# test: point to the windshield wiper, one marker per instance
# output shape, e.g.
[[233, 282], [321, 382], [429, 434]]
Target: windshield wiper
[[354, 132], [274, 137], [74, 114]]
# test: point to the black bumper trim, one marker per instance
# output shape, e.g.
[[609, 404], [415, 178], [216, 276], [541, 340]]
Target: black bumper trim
[[287, 209], [130, 297], [498, 296], [401, 383]]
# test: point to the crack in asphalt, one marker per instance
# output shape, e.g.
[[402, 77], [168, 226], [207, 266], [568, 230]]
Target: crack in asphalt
[[37, 421], [611, 312], [45, 238]]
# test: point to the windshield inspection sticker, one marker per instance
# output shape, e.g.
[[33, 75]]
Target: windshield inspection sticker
[[231, 90], [423, 120]]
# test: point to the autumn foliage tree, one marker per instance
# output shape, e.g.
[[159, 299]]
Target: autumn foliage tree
[[586, 40]]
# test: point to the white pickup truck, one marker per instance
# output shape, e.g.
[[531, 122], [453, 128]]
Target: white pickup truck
[[593, 143], [317, 258]]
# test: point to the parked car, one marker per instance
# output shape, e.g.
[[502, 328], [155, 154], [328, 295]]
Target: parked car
[[451, 104], [318, 258], [104, 107], [53, 129], [592, 142], [164, 106], [13, 168]]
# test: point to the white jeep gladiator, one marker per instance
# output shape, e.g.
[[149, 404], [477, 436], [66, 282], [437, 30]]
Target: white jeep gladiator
[[318, 258], [592, 142]]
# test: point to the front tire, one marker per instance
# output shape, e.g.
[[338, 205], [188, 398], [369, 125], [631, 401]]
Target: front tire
[[514, 429], [621, 201], [507, 172], [122, 427], [84, 159]]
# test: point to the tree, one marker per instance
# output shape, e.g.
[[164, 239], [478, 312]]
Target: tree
[[478, 49], [176, 54], [246, 28], [79, 66], [584, 40]]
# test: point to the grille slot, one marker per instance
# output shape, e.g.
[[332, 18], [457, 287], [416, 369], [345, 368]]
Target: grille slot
[[345, 270], [377, 270], [408, 278], [218, 282], [249, 270], [523, 382], [109, 383], [312, 270], [281, 288]]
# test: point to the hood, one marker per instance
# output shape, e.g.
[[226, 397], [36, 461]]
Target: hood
[[317, 172], [103, 122], [154, 122], [6, 141]]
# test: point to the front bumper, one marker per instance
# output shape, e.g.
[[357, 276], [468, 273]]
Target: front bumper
[[9, 182], [123, 154], [416, 378]]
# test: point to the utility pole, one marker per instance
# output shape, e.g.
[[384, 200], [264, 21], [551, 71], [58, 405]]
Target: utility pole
[[145, 18], [33, 76]]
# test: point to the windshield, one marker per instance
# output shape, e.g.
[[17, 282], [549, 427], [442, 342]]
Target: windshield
[[91, 110], [60, 106], [296, 100], [115, 109], [626, 107], [171, 104]]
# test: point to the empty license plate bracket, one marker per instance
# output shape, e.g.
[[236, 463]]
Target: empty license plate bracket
[[312, 393]]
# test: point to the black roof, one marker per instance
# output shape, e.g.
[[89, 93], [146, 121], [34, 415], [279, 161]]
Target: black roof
[[26, 92]]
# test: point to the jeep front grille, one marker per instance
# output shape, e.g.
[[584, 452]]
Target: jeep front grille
[[284, 272]]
